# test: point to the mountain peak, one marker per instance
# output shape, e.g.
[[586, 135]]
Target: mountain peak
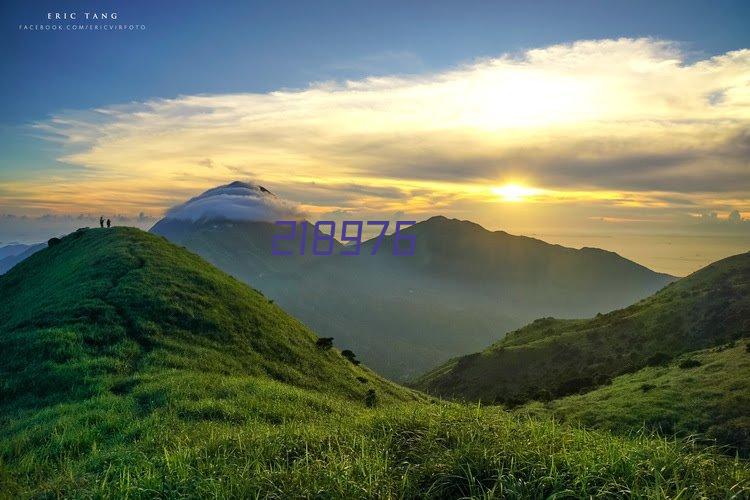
[[442, 221], [437, 219], [243, 185], [236, 201]]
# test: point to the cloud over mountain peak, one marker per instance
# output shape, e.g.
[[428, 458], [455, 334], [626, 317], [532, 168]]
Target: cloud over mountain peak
[[236, 201]]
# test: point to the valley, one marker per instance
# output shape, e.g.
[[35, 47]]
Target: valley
[[463, 288]]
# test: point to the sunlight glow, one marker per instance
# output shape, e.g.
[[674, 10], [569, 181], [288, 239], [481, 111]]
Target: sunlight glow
[[571, 116], [515, 192]]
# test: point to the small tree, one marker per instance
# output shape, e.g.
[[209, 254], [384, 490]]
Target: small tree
[[659, 359], [350, 356], [53, 241], [324, 343], [543, 395], [371, 398], [466, 361], [689, 363]]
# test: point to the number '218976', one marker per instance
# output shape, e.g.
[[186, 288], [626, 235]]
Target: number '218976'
[[323, 242]]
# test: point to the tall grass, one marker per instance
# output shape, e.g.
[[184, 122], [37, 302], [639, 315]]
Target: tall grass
[[100, 449]]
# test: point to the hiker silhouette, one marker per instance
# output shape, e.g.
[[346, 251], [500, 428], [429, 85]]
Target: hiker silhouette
[[101, 221], [109, 223]]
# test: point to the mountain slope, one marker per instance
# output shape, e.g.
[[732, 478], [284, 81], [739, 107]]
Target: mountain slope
[[132, 369], [704, 393], [125, 303], [405, 314], [552, 358], [466, 252]]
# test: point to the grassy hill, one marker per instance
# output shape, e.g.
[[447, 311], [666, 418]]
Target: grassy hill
[[704, 394], [113, 305], [551, 358], [132, 368]]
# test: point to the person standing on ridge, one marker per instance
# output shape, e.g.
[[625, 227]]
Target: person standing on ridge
[[101, 221], [109, 223]]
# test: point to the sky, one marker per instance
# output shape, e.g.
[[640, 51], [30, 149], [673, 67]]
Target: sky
[[622, 125]]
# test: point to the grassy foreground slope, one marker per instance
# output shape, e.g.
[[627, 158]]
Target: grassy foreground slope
[[551, 358], [705, 394], [103, 308], [131, 368]]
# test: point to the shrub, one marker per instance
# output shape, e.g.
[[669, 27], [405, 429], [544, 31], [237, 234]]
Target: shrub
[[350, 356], [734, 433], [659, 359], [690, 363], [53, 241], [543, 395], [371, 398], [574, 385], [324, 343], [466, 361]]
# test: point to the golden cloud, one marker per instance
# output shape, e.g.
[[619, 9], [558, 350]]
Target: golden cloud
[[610, 121]]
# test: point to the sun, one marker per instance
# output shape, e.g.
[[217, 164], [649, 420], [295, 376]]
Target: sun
[[514, 192]]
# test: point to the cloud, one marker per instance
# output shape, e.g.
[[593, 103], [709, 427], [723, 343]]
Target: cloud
[[36, 229], [236, 201], [629, 116]]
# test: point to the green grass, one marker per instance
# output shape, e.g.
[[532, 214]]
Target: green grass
[[708, 398], [299, 445], [132, 369], [550, 358], [103, 308]]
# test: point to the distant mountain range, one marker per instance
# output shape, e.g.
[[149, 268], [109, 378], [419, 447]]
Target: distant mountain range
[[12, 249], [403, 315], [12, 254], [551, 358]]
